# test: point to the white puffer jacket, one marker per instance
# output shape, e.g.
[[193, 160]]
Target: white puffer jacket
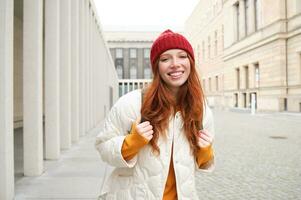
[[144, 176]]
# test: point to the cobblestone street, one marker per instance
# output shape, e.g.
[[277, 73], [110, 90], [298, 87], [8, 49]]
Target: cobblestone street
[[258, 157]]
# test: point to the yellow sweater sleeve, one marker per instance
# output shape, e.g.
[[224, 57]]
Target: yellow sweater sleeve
[[132, 143], [204, 156]]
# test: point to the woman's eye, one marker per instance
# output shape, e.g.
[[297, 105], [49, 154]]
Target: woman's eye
[[183, 56], [163, 59]]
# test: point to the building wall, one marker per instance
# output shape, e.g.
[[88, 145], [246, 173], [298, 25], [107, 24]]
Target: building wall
[[126, 42], [258, 36]]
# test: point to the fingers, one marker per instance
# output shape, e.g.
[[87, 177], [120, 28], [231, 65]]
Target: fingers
[[145, 129], [205, 139]]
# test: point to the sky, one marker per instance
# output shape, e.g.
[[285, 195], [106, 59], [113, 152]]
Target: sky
[[145, 15]]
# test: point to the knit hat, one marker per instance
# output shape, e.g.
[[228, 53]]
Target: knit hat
[[169, 40]]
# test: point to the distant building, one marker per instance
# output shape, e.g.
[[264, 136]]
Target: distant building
[[130, 52], [249, 48]]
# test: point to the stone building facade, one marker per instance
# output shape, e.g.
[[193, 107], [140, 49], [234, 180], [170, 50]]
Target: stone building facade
[[249, 49], [130, 52]]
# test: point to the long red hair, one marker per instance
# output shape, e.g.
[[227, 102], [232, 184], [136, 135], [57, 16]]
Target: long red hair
[[159, 104]]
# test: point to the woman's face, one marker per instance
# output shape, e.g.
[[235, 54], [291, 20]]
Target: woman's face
[[174, 68]]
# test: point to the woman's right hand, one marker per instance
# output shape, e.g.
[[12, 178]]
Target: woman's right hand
[[145, 129]]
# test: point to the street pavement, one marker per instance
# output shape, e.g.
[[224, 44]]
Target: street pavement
[[257, 157]]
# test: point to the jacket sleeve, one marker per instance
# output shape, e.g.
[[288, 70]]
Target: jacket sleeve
[[110, 139], [208, 125]]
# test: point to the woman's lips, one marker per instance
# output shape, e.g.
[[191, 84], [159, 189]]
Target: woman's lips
[[176, 74]]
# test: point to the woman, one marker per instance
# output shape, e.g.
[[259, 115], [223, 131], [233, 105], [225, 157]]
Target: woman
[[157, 157]]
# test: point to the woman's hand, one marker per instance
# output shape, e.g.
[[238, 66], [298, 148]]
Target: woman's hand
[[145, 129], [205, 139]]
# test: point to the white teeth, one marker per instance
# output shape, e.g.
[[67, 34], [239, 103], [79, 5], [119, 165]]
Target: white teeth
[[174, 74]]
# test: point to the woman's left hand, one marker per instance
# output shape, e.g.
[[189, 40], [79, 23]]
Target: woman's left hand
[[205, 139]]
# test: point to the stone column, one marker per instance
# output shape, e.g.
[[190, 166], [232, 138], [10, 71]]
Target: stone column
[[74, 70], [65, 76], [90, 69], [52, 79], [6, 100], [242, 77], [81, 67], [86, 119], [251, 23], [32, 87], [252, 76], [242, 19]]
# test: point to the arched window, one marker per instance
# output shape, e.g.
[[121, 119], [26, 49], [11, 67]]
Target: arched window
[[133, 72], [119, 70]]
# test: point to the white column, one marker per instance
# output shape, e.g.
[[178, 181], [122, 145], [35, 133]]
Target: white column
[[65, 76], [52, 79], [74, 70], [251, 13], [32, 87], [81, 67], [86, 65], [242, 19], [252, 76], [90, 69], [242, 77], [6, 100], [94, 77]]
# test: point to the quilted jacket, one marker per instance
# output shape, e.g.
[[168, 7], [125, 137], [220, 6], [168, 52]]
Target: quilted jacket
[[144, 176]]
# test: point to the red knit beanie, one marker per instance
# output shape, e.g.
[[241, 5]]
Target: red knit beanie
[[169, 40]]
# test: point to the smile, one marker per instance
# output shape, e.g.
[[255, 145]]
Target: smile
[[176, 74]]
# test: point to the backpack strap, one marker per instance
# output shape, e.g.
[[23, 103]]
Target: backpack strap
[[142, 98]]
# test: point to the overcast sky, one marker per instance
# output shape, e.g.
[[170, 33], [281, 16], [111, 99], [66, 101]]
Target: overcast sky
[[144, 14]]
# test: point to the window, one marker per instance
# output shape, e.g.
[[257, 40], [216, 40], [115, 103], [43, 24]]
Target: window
[[215, 43], [147, 72], [119, 53], [133, 72], [235, 100], [119, 70], [247, 76], [256, 14], [210, 84], [257, 78], [247, 15], [146, 53], [133, 53], [237, 78]]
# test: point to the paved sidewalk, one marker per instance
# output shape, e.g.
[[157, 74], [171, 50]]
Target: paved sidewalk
[[76, 175], [258, 157]]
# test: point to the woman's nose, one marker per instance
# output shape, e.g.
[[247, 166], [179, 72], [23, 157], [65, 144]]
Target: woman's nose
[[175, 62]]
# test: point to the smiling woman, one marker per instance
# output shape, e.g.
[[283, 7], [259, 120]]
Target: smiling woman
[[157, 158], [174, 68]]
